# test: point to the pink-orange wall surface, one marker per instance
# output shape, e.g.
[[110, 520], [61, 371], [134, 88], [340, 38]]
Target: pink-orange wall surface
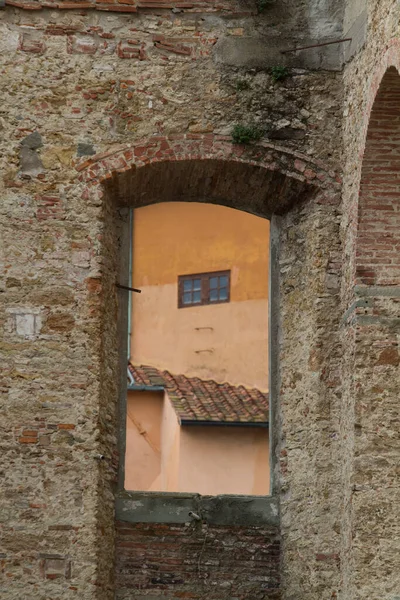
[[224, 342], [163, 456], [224, 460], [143, 440]]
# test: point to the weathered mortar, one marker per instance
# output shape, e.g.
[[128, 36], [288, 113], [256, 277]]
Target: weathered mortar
[[129, 77], [203, 561], [83, 82], [370, 337]]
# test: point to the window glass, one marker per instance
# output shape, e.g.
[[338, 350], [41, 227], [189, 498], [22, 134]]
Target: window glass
[[213, 295], [213, 282], [204, 288]]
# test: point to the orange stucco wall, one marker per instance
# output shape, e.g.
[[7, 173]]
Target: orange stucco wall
[[225, 342], [143, 440], [171, 449], [163, 456], [224, 460]]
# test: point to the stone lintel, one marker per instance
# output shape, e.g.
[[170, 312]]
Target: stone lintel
[[376, 291], [167, 507]]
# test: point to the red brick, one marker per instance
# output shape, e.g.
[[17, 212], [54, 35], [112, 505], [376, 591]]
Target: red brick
[[380, 172], [30, 432], [74, 5], [175, 550], [390, 357], [31, 44], [299, 165], [327, 556]]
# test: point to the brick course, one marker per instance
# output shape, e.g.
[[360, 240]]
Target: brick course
[[378, 242], [133, 6], [196, 561]]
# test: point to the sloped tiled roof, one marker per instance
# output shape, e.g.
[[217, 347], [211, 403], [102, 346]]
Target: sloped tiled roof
[[194, 399]]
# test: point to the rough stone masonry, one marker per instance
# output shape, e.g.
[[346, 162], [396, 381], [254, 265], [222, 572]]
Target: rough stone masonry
[[107, 105]]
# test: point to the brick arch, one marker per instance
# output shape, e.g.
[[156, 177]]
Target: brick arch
[[378, 233], [261, 178], [390, 58]]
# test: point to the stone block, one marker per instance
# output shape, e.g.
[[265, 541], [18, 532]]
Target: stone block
[[55, 567], [25, 323]]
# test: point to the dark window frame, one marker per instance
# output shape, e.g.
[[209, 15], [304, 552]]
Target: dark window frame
[[205, 288]]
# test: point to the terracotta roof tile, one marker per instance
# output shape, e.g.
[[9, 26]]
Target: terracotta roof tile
[[195, 399]]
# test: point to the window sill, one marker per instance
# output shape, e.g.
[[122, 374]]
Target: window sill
[[170, 507]]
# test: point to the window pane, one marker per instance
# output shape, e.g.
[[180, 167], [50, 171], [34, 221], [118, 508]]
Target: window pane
[[213, 295], [213, 282], [204, 288], [223, 293]]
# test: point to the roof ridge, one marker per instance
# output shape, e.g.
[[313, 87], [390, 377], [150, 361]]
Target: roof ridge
[[209, 380], [206, 400]]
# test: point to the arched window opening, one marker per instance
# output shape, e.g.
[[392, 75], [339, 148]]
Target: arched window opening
[[197, 401], [268, 182], [262, 183], [301, 199], [378, 243]]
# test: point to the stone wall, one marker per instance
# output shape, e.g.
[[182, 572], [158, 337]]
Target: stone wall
[[371, 313], [113, 78], [115, 105]]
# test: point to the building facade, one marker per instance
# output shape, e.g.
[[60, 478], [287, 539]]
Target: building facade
[[202, 315], [224, 339]]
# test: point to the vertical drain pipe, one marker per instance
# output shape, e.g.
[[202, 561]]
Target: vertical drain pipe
[[130, 282]]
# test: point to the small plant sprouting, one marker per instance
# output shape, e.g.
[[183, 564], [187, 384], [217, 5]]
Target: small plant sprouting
[[263, 4], [242, 84], [279, 73], [244, 134]]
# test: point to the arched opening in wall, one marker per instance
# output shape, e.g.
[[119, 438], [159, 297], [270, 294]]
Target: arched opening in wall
[[300, 198], [378, 239], [374, 348], [198, 404], [238, 188]]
